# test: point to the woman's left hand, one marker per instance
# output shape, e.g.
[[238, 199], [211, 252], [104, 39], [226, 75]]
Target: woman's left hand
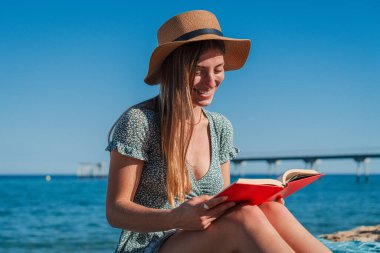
[[199, 212]]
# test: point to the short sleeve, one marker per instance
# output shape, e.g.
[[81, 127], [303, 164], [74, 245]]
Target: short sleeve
[[227, 149], [131, 135]]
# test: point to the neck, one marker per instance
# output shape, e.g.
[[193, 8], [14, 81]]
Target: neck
[[197, 114]]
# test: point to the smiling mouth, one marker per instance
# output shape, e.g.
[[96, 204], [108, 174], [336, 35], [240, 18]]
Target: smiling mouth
[[203, 91]]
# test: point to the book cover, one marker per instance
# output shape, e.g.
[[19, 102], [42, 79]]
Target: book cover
[[257, 191]]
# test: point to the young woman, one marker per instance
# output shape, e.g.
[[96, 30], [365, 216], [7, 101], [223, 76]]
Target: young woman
[[169, 156]]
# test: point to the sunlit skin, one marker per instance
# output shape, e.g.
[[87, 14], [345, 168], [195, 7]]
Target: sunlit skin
[[208, 76]]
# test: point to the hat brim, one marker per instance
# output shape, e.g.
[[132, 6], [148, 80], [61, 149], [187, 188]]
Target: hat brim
[[236, 54]]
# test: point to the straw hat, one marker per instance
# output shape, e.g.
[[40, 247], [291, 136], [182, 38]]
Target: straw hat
[[194, 26]]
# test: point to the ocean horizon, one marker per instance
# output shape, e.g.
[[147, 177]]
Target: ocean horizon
[[67, 213]]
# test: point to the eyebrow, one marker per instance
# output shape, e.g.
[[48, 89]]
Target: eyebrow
[[219, 65]]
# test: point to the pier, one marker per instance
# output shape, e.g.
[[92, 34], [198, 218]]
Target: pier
[[91, 170], [312, 161]]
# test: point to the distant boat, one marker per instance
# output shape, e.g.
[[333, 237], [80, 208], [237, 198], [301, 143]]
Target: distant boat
[[47, 178], [91, 170]]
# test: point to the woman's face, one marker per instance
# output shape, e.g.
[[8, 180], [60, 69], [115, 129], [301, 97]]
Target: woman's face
[[208, 76]]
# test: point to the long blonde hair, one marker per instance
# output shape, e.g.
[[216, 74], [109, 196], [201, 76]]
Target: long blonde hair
[[176, 109]]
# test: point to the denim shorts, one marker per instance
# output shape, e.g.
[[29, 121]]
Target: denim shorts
[[154, 246]]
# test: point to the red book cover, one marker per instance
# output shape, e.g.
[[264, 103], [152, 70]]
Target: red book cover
[[257, 191]]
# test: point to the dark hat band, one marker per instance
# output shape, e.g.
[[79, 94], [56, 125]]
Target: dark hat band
[[198, 32]]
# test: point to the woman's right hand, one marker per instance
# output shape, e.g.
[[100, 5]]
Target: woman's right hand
[[199, 212]]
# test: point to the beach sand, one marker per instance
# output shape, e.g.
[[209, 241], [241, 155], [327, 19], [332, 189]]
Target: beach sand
[[362, 233]]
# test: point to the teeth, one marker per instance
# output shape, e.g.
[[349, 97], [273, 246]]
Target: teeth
[[207, 91]]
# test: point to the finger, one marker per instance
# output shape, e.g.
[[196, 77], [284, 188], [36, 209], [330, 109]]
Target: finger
[[208, 224], [221, 209], [201, 199], [214, 202]]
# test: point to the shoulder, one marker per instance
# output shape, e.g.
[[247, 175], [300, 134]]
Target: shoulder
[[134, 131], [140, 114]]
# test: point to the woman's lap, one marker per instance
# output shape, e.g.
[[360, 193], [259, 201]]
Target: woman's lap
[[229, 232]]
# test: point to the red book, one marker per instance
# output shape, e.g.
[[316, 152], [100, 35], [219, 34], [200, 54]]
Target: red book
[[257, 191]]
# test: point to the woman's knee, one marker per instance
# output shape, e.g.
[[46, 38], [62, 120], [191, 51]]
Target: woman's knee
[[244, 216], [247, 224], [273, 208]]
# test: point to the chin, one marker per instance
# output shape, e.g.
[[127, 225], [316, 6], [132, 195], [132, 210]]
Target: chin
[[202, 103]]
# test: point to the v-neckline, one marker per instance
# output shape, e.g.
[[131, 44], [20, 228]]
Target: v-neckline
[[211, 139]]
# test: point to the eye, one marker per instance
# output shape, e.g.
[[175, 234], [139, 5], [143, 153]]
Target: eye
[[198, 72], [219, 70]]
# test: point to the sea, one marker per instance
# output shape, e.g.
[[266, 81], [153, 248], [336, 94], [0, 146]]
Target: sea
[[67, 214]]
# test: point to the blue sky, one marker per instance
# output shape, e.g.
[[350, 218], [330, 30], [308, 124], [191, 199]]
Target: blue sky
[[68, 69]]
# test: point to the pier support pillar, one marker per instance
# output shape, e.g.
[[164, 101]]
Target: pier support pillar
[[241, 166], [273, 167], [362, 162], [315, 164], [365, 165], [276, 165], [310, 162], [237, 168]]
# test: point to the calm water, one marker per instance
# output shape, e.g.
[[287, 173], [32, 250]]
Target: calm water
[[67, 214]]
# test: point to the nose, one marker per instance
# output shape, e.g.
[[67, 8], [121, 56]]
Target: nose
[[209, 79]]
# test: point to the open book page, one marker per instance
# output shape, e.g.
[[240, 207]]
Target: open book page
[[294, 174], [295, 185], [260, 181]]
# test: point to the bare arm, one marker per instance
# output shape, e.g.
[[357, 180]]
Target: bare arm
[[225, 167], [122, 212]]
